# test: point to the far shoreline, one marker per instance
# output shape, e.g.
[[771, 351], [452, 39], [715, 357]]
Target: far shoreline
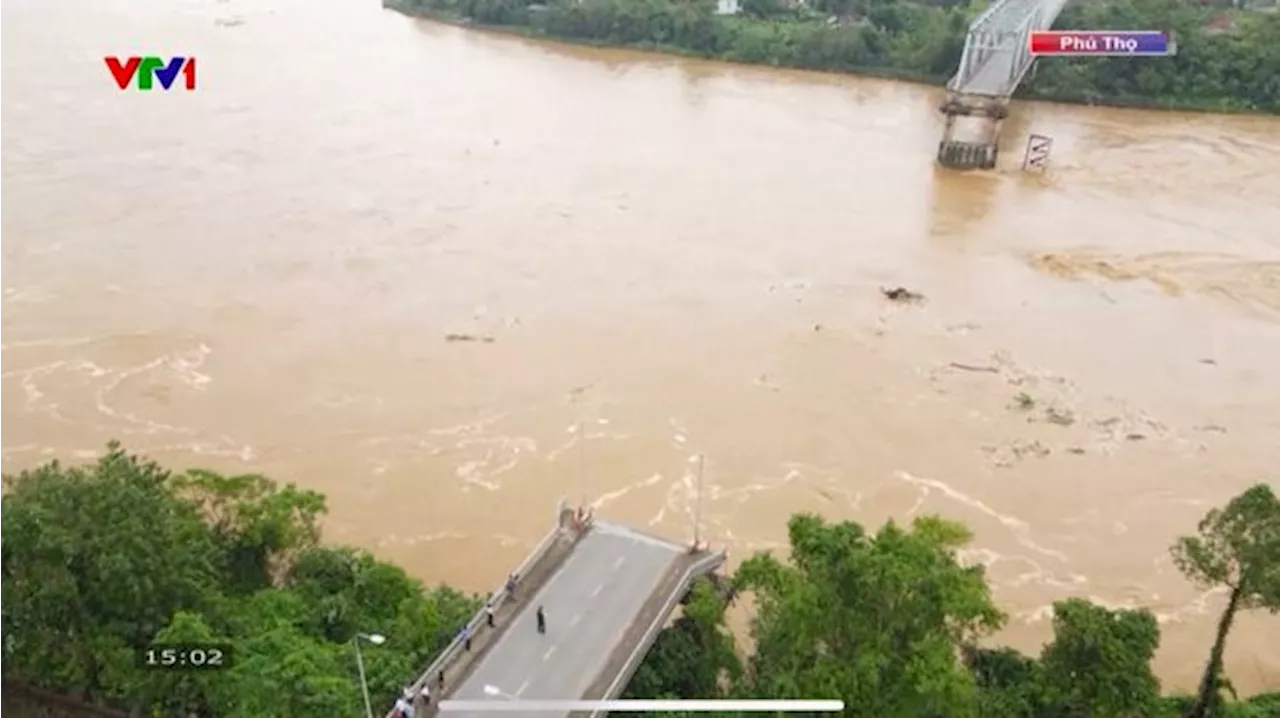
[[915, 78]]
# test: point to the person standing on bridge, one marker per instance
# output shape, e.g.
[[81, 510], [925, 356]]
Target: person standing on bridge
[[542, 621], [404, 704]]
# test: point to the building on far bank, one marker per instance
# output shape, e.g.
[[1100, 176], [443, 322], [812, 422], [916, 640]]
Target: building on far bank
[[728, 7]]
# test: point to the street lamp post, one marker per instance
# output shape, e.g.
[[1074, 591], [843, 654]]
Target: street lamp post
[[377, 640], [582, 450], [697, 506], [579, 394]]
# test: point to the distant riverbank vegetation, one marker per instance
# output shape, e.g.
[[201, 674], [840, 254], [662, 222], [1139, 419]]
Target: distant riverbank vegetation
[[100, 561], [1228, 58]]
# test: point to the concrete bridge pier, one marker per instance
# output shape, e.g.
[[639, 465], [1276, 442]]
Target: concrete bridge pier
[[970, 139], [997, 55]]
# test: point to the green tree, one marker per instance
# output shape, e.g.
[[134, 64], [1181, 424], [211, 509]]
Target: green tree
[[286, 673], [877, 620], [1009, 683], [430, 624], [345, 591], [257, 525], [695, 657], [763, 8], [349, 591], [96, 561], [103, 560], [181, 692], [1099, 663], [1237, 547]]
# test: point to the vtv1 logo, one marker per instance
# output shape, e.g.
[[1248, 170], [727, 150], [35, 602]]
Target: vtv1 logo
[[145, 68]]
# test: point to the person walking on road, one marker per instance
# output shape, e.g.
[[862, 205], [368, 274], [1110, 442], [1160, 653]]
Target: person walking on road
[[542, 621]]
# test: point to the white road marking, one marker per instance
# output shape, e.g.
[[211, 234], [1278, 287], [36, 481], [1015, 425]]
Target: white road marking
[[605, 527], [597, 591], [522, 687], [574, 621], [618, 564], [547, 655]]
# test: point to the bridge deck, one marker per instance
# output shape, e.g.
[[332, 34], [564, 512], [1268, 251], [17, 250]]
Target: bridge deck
[[590, 602], [992, 79]]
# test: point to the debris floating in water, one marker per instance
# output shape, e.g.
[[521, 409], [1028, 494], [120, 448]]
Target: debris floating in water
[[902, 294], [468, 338]]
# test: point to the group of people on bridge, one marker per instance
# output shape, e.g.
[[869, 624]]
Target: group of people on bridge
[[411, 702]]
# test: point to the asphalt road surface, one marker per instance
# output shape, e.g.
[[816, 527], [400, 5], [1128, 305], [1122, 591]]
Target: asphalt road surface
[[589, 603]]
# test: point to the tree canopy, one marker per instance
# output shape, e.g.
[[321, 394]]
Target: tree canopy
[[1237, 548], [873, 619], [100, 561], [894, 624]]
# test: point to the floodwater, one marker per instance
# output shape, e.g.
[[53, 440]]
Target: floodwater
[[262, 275]]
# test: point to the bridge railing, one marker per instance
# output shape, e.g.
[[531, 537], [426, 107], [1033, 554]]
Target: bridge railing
[[495, 599], [1002, 29], [699, 567]]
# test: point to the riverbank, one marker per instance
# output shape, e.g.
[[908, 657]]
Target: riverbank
[[534, 33], [807, 40]]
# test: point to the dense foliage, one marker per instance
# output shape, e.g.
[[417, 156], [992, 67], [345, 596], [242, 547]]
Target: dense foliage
[[891, 623], [100, 561], [1227, 59]]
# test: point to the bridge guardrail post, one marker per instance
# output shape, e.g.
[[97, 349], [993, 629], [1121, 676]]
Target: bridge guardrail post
[[495, 598]]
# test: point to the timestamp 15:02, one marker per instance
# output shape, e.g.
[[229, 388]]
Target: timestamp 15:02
[[185, 656]]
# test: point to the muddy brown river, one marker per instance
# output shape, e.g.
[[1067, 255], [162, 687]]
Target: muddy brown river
[[262, 275]]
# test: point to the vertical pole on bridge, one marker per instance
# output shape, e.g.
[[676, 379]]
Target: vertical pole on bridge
[[582, 453], [697, 506]]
